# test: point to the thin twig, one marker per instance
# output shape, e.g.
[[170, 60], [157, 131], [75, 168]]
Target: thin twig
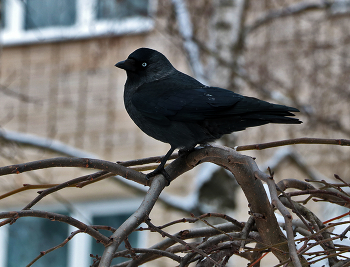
[[319, 193], [157, 185], [156, 229], [290, 10], [57, 217], [43, 253], [245, 231], [286, 215], [304, 140]]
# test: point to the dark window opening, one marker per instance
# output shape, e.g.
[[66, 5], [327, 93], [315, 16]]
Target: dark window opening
[[118, 9], [29, 236], [114, 221], [41, 14]]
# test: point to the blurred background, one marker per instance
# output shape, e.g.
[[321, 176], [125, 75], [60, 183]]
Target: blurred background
[[60, 94]]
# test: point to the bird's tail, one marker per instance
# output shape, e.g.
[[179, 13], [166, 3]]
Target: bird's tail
[[239, 122], [278, 114]]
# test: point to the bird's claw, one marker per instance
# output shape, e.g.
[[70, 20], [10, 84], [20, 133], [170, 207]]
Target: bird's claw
[[183, 152], [159, 171]]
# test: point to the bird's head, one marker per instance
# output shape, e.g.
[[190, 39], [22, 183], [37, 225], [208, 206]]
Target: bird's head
[[146, 64]]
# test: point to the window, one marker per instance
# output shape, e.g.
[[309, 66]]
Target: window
[[112, 9], [21, 242], [41, 234], [98, 248], [42, 14], [2, 14], [43, 21], [340, 7]]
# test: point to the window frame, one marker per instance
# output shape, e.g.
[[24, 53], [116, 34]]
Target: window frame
[[86, 25], [79, 247]]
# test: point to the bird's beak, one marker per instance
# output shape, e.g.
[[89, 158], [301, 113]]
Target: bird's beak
[[128, 65]]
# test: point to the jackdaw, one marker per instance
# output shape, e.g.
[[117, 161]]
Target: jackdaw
[[175, 108]]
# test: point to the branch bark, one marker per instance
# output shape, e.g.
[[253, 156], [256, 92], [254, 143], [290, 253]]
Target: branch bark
[[14, 215], [138, 217], [186, 32], [290, 10], [242, 167], [245, 171]]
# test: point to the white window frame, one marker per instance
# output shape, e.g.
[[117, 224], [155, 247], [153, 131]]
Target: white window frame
[[86, 25], [79, 247]]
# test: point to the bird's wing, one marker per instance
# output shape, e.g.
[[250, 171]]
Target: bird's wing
[[215, 107], [165, 104]]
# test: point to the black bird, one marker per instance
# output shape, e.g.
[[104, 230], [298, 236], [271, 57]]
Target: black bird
[[175, 108]]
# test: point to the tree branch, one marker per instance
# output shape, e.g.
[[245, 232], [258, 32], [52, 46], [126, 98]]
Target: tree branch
[[186, 234], [76, 162], [14, 215], [179, 240], [291, 10], [43, 253], [245, 171], [304, 140], [186, 32], [157, 185], [286, 215]]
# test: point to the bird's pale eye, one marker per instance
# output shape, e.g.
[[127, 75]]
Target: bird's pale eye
[[144, 64]]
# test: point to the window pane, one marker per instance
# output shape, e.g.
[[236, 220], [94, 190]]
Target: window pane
[[2, 13], [115, 9], [29, 236], [114, 221], [41, 13]]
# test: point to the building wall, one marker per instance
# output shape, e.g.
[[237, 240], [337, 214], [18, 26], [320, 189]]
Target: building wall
[[72, 92]]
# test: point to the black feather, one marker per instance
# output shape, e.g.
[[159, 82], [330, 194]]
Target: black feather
[[174, 108]]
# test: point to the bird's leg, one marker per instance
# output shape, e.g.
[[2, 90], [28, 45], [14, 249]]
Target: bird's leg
[[160, 168]]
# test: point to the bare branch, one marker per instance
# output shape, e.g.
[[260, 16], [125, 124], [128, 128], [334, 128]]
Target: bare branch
[[316, 223], [191, 48], [158, 252], [245, 171], [43, 253], [291, 10], [286, 215], [157, 185], [187, 234], [76, 162], [14, 215], [331, 196], [44, 143], [304, 140], [195, 219], [245, 231], [294, 183], [199, 251], [6, 90]]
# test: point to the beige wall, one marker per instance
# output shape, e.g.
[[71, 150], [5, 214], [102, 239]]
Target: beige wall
[[75, 92], [75, 95]]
